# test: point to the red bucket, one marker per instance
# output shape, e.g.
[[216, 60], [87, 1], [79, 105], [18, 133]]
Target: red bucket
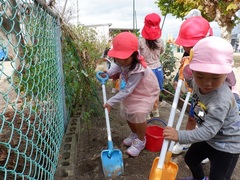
[[154, 138]]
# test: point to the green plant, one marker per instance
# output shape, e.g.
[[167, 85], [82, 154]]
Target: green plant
[[168, 62], [81, 49]]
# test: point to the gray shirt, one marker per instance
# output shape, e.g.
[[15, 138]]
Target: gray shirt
[[217, 118]]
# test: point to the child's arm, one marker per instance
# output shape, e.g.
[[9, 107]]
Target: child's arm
[[113, 72]]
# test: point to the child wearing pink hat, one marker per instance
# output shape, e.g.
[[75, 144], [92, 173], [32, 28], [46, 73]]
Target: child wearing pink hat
[[215, 110], [138, 89], [151, 46], [191, 31]]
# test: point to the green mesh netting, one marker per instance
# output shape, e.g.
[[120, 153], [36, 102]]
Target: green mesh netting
[[32, 116]]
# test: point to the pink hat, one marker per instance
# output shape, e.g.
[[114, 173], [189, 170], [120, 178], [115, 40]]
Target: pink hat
[[192, 30], [213, 55], [124, 45], [151, 29]]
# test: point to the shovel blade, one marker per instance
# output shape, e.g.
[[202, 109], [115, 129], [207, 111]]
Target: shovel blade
[[169, 171], [113, 165]]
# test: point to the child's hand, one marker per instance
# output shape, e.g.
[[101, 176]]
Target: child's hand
[[170, 133], [183, 59], [107, 106], [182, 73]]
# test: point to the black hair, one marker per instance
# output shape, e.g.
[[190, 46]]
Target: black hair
[[106, 52], [135, 60], [152, 44]]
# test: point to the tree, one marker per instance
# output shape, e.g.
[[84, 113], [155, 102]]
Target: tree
[[221, 11]]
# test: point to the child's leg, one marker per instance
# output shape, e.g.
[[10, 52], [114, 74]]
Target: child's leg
[[155, 106], [132, 127], [222, 164], [191, 124], [194, 157], [137, 122], [139, 129]]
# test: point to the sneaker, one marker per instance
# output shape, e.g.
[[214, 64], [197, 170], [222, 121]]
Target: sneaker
[[155, 113], [162, 103], [205, 161], [136, 147], [128, 141], [180, 148], [148, 116], [114, 90]]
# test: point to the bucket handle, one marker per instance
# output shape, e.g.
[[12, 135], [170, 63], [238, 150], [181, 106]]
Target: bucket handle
[[157, 119]]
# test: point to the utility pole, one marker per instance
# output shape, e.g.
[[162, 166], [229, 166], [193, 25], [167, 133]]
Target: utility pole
[[77, 14], [134, 17], [64, 8]]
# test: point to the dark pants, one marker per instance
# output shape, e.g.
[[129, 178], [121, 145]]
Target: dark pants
[[222, 164]]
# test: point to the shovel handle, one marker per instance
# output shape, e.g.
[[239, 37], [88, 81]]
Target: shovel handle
[[170, 124], [180, 119], [102, 80]]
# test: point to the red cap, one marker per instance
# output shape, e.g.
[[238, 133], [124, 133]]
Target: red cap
[[124, 45], [151, 29], [192, 30]]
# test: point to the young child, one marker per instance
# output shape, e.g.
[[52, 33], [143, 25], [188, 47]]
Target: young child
[[151, 46], [191, 31], [138, 89], [215, 111]]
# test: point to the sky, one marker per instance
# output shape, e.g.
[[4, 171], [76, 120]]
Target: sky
[[119, 13]]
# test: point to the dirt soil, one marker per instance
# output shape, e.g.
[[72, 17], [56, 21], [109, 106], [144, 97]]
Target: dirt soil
[[92, 143]]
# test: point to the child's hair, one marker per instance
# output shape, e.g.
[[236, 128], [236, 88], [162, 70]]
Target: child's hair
[[152, 44], [135, 60], [106, 52]]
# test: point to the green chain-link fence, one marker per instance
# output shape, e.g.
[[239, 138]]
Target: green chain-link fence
[[32, 108]]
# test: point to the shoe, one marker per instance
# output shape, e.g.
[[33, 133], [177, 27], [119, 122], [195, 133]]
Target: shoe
[[128, 141], [155, 113], [136, 147], [180, 148], [162, 103], [205, 161], [113, 90], [148, 116]]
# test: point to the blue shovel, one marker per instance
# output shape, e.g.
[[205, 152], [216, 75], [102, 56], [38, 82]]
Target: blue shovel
[[112, 161]]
